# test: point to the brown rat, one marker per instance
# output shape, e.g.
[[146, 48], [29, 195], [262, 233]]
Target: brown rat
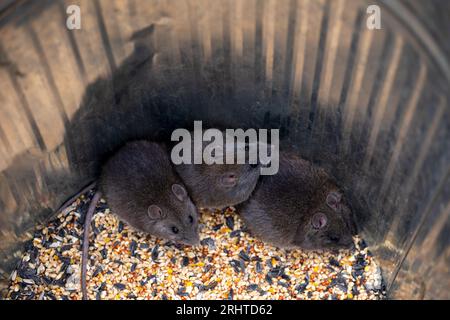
[[300, 206], [219, 185], [143, 190]]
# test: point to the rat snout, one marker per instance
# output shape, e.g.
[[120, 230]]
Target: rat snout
[[340, 241], [347, 242], [193, 243], [335, 238], [191, 240]]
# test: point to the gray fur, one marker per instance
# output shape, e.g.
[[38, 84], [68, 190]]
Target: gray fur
[[208, 191], [140, 175], [205, 185], [282, 206]]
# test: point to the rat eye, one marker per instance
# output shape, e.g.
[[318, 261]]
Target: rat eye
[[319, 220], [175, 230], [191, 219]]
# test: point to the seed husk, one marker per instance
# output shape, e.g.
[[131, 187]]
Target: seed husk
[[125, 264], [229, 221]]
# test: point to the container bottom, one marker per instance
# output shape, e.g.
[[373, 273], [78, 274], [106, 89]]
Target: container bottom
[[229, 264]]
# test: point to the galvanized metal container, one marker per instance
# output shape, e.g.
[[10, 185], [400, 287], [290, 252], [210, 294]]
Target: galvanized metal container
[[371, 106]]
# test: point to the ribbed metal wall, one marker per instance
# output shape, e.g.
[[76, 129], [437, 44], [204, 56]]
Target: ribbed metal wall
[[372, 106]]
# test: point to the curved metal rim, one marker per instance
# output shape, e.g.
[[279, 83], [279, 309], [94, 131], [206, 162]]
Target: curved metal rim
[[426, 40]]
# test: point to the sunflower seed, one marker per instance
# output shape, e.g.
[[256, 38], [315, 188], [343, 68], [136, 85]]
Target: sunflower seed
[[155, 253], [259, 267], [229, 221], [120, 286], [244, 256]]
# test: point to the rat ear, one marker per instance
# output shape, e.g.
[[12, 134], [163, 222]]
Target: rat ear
[[319, 220], [179, 192], [154, 212], [334, 199], [229, 179]]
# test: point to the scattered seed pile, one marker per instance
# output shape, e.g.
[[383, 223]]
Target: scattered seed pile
[[229, 264]]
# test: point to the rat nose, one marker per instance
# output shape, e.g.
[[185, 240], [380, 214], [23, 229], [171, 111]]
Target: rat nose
[[195, 242], [335, 238], [347, 242], [193, 239]]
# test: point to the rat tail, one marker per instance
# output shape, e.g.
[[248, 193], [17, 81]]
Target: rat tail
[[76, 196], [84, 255]]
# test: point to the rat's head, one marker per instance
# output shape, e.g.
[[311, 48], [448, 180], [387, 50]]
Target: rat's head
[[328, 223], [219, 185], [227, 183], [225, 176], [175, 218]]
